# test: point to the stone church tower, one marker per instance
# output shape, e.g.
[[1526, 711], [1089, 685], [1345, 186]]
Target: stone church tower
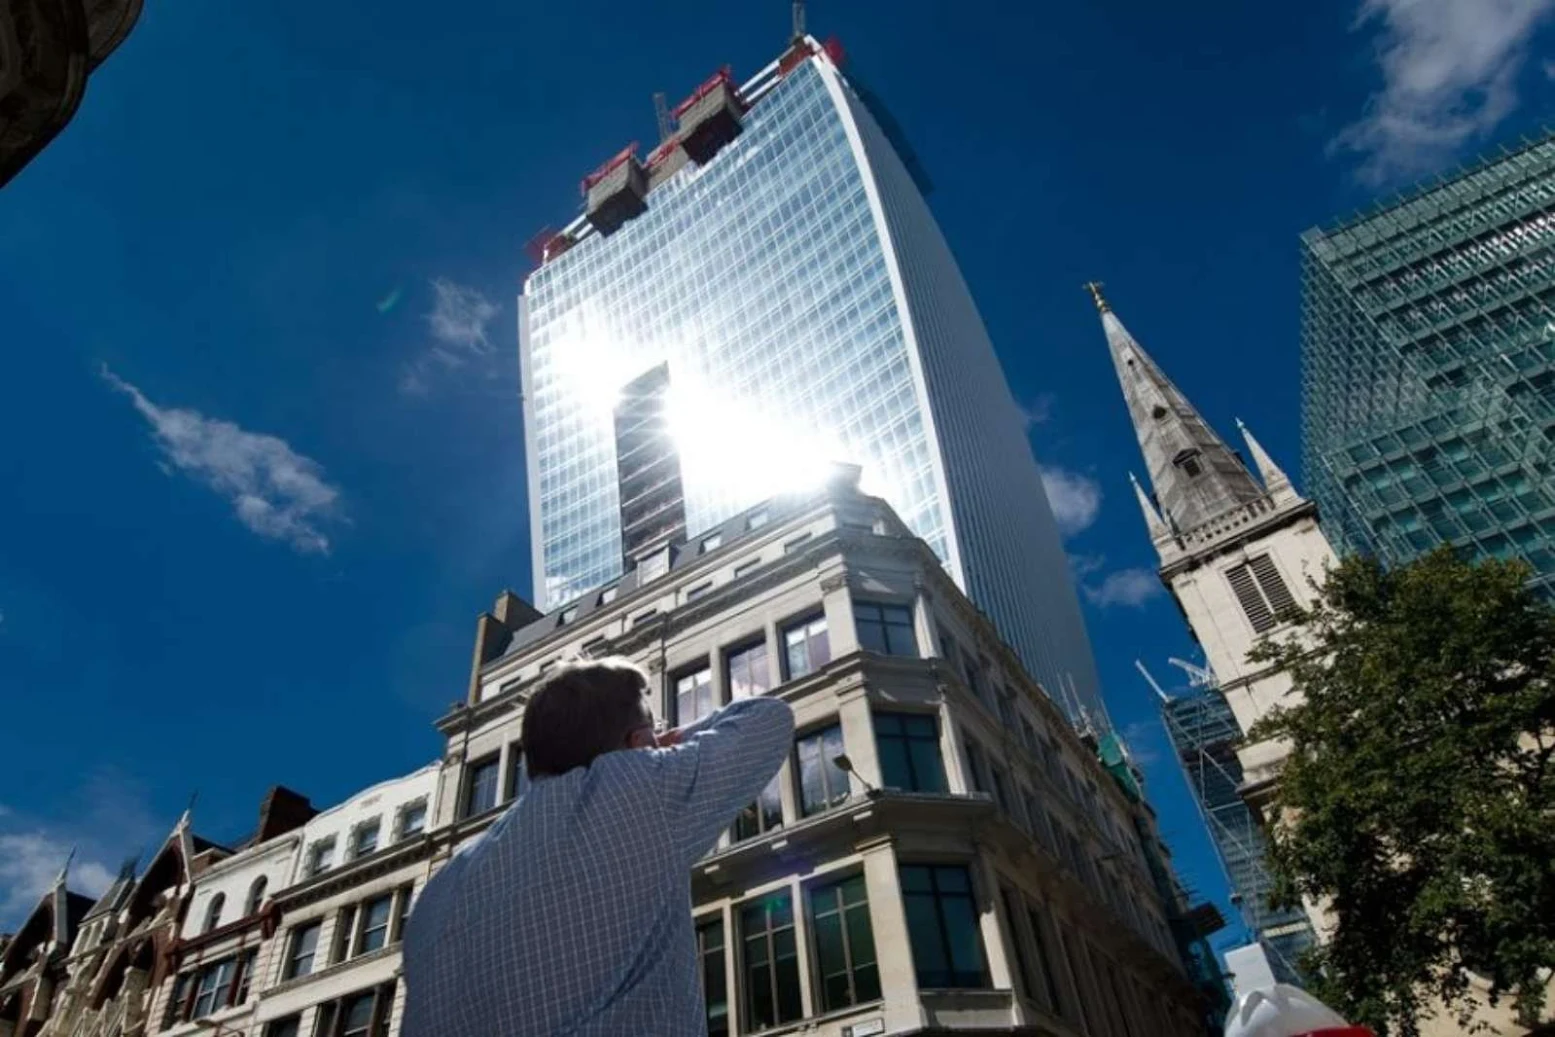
[[1238, 553]]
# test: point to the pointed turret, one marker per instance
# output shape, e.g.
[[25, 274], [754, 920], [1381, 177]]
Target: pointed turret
[[1195, 476], [1274, 478], [1160, 533]]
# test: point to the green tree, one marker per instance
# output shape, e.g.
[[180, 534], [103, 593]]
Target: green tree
[[1418, 794]]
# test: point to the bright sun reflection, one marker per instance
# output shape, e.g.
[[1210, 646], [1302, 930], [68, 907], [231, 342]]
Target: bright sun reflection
[[746, 454]]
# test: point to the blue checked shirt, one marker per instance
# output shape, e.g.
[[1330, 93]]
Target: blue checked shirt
[[571, 915]]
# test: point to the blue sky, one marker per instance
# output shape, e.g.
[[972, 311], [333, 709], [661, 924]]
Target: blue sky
[[263, 457]]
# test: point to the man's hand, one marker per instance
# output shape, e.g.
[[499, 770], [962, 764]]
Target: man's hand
[[669, 738]]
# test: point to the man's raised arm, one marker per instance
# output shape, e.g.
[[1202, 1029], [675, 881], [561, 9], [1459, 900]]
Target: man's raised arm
[[721, 764]]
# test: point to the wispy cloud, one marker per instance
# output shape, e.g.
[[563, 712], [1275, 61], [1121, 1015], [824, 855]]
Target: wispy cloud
[[275, 491], [1074, 498], [1145, 742], [1038, 410], [1081, 566], [1449, 71], [1131, 588], [108, 822], [459, 323]]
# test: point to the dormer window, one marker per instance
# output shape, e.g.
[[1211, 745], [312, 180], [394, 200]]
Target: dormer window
[[1189, 461]]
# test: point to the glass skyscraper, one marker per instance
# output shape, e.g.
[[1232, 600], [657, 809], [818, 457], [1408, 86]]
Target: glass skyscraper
[[1428, 368], [805, 309]]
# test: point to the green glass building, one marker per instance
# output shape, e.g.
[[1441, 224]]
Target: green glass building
[[1428, 368]]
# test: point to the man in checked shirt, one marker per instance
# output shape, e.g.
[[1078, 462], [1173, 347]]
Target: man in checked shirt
[[571, 915]]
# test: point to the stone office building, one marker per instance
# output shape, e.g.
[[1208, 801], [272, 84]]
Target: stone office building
[[940, 853]]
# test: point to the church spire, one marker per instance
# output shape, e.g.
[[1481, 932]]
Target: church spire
[[1195, 476]]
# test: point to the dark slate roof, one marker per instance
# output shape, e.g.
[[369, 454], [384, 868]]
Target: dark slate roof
[[115, 894]]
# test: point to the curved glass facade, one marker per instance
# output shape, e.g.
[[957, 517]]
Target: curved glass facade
[[793, 333]]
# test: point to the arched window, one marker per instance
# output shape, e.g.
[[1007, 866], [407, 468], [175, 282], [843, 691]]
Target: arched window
[[213, 912], [256, 895]]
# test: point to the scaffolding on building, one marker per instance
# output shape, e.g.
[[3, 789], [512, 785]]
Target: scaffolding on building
[[1205, 735]]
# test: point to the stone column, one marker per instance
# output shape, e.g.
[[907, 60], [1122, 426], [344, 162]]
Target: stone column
[[893, 949]]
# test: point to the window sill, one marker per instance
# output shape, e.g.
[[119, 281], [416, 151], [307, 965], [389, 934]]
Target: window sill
[[810, 1022], [335, 969]]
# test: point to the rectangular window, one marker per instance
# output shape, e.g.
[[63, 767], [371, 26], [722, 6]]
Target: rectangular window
[[844, 944], [1262, 593], [321, 856], [345, 935], [364, 838], [745, 568], [770, 963], [806, 646], [762, 816], [179, 1002], [822, 784], [245, 980], [364, 1014], [908, 744], [996, 782], [886, 629], [643, 617], [747, 670], [213, 988], [757, 519], [291, 1026], [790, 546], [567, 615], [607, 595], [977, 767], [304, 945], [412, 819], [947, 945], [712, 543], [700, 590], [480, 786], [375, 923], [947, 645], [356, 1017], [1044, 956], [518, 780], [693, 695], [715, 984], [1022, 959]]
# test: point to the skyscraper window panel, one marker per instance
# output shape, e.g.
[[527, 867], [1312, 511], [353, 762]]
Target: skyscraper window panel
[[762, 282], [1427, 332]]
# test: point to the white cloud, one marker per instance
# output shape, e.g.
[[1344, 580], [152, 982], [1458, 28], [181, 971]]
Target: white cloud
[[1074, 498], [1131, 588], [104, 821], [29, 864], [275, 491], [459, 320], [1449, 71]]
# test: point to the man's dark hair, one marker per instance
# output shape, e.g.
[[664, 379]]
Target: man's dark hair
[[583, 710]]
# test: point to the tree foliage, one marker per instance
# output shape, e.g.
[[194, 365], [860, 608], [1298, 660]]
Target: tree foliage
[[1419, 799]]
